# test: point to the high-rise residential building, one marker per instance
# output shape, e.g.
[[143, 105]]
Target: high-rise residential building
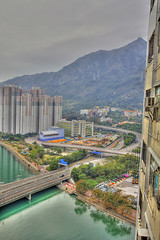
[[22, 112], [148, 213], [57, 109]]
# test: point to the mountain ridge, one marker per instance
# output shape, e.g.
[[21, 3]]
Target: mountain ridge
[[105, 77]]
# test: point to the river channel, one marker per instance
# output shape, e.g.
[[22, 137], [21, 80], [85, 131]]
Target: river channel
[[53, 214], [11, 169]]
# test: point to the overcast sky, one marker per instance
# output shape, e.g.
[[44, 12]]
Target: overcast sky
[[45, 35]]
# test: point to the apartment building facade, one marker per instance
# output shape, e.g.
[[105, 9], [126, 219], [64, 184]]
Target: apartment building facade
[[22, 112], [148, 214]]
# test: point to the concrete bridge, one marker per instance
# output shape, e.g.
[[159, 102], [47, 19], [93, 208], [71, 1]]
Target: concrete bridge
[[129, 148], [14, 191], [116, 129], [98, 149]]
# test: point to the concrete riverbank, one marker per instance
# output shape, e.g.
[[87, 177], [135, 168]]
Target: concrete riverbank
[[22, 159], [110, 212], [70, 188]]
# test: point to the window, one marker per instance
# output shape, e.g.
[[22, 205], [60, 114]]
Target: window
[[156, 184], [154, 178], [158, 91], [144, 238], [156, 114], [151, 177], [148, 93], [151, 48], [144, 151], [140, 203]]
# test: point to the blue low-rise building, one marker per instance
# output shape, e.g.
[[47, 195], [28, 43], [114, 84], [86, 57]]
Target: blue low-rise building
[[54, 133]]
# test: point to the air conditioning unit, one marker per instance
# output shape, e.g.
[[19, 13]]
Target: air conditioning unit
[[157, 100], [149, 102]]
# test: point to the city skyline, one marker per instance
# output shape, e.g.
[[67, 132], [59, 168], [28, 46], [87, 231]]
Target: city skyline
[[30, 112]]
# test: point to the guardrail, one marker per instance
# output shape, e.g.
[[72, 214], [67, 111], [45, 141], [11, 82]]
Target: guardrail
[[27, 192]]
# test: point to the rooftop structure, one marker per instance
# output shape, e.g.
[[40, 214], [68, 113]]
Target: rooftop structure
[[49, 133], [52, 134], [128, 113]]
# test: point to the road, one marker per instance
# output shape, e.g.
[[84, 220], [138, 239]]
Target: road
[[126, 150], [129, 148], [23, 188], [115, 129], [115, 151], [98, 149]]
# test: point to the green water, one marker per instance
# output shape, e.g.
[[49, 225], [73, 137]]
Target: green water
[[10, 168], [54, 215]]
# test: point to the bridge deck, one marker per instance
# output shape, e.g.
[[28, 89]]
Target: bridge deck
[[23, 188], [98, 149]]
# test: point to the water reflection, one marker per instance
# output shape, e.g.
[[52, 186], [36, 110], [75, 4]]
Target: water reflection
[[52, 214], [81, 207], [112, 225]]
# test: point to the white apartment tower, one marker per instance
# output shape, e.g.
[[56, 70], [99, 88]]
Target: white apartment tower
[[22, 112]]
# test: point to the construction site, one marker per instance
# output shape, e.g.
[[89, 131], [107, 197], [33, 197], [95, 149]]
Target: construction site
[[96, 141]]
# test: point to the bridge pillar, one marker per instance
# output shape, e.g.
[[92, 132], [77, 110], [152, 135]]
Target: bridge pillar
[[29, 197]]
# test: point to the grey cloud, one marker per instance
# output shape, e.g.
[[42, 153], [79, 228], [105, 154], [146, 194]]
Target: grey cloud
[[45, 35]]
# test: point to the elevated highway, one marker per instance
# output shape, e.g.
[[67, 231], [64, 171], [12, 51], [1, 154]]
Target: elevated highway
[[98, 149], [104, 150], [26, 187], [115, 129], [129, 148]]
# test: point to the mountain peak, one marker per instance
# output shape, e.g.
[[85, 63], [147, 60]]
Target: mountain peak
[[139, 41], [100, 78]]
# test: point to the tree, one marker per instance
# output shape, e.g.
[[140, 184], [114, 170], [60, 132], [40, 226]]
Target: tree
[[33, 154], [53, 165], [99, 194], [82, 176], [125, 206], [82, 186], [75, 174], [30, 148], [92, 183], [41, 154], [59, 150]]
